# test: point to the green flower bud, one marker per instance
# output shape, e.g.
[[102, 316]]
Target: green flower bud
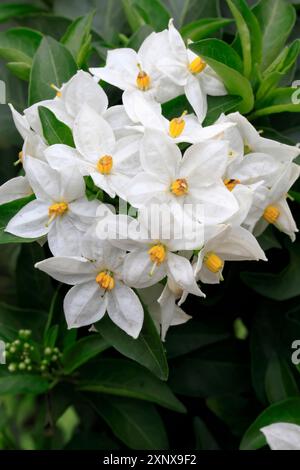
[[26, 346], [12, 367], [43, 368], [29, 368], [22, 366], [48, 351], [54, 358], [12, 349], [17, 342], [27, 361]]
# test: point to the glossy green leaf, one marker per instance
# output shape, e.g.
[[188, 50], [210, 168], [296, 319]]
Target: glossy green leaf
[[82, 351], [126, 378], [55, 131], [218, 105], [186, 11], [276, 19], [15, 384], [13, 318], [278, 101], [277, 286], [19, 44], [203, 28], [147, 349], [7, 212], [279, 381], [222, 62], [20, 70], [12, 10], [52, 64], [287, 411], [153, 13], [78, 37], [135, 423]]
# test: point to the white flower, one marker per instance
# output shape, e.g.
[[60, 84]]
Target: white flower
[[282, 436], [190, 72], [184, 128], [60, 209], [14, 188], [110, 163], [162, 306], [136, 73], [270, 205], [230, 243], [98, 287], [244, 140], [195, 179], [152, 256]]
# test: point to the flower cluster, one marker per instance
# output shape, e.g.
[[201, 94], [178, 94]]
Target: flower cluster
[[198, 196]]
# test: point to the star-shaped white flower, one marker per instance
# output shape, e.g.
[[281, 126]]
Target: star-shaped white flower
[[60, 210], [194, 180], [98, 286], [282, 436]]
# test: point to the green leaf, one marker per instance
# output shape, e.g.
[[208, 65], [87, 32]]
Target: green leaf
[[287, 411], [203, 28], [78, 37], [20, 69], [7, 212], [249, 35], [14, 318], [218, 51], [55, 131], [126, 378], [82, 351], [91, 190], [204, 438], [185, 11], [193, 335], [278, 101], [147, 349], [218, 105], [153, 13], [278, 286], [135, 423], [15, 384], [19, 44], [276, 19], [134, 18], [226, 63], [51, 336], [139, 36], [12, 10], [52, 64], [279, 381]]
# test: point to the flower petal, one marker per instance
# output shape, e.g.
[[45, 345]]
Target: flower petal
[[14, 188], [139, 270], [67, 269], [180, 269], [30, 221], [84, 304]]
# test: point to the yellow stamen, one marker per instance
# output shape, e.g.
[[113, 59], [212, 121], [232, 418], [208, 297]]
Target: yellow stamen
[[271, 214], [105, 164], [157, 253], [213, 262], [142, 79], [105, 280], [58, 208], [58, 92], [179, 187], [20, 159], [177, 125], [231, 183], [197, 65]]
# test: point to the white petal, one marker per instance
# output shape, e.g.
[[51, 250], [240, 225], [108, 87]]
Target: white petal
[[181, 271], [21, 123], [30, 221], [159, 156], [56, 106], [14, 188], [125, 309], [72, 185], [70, 270], [121, 68], [218, 203], [84, 304], [132, 100], [145, 187], [81, 89], [60, 156], [211, 83], [43, 179], [285, 221], [93, 136], [139, 270], [64, 238], [282, 436], [196, 97], [239, 244]]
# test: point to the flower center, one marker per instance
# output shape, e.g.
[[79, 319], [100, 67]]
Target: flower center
[[247, 148], [58, 208], [197, 65], [105, 164], [213, 262], [20, 158], [271, 214], [142, 79], [179, 187], [157, 253], [105, 280], [231, 183], [177, 125]]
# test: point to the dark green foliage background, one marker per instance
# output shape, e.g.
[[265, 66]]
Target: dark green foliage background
[[225, 373]]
